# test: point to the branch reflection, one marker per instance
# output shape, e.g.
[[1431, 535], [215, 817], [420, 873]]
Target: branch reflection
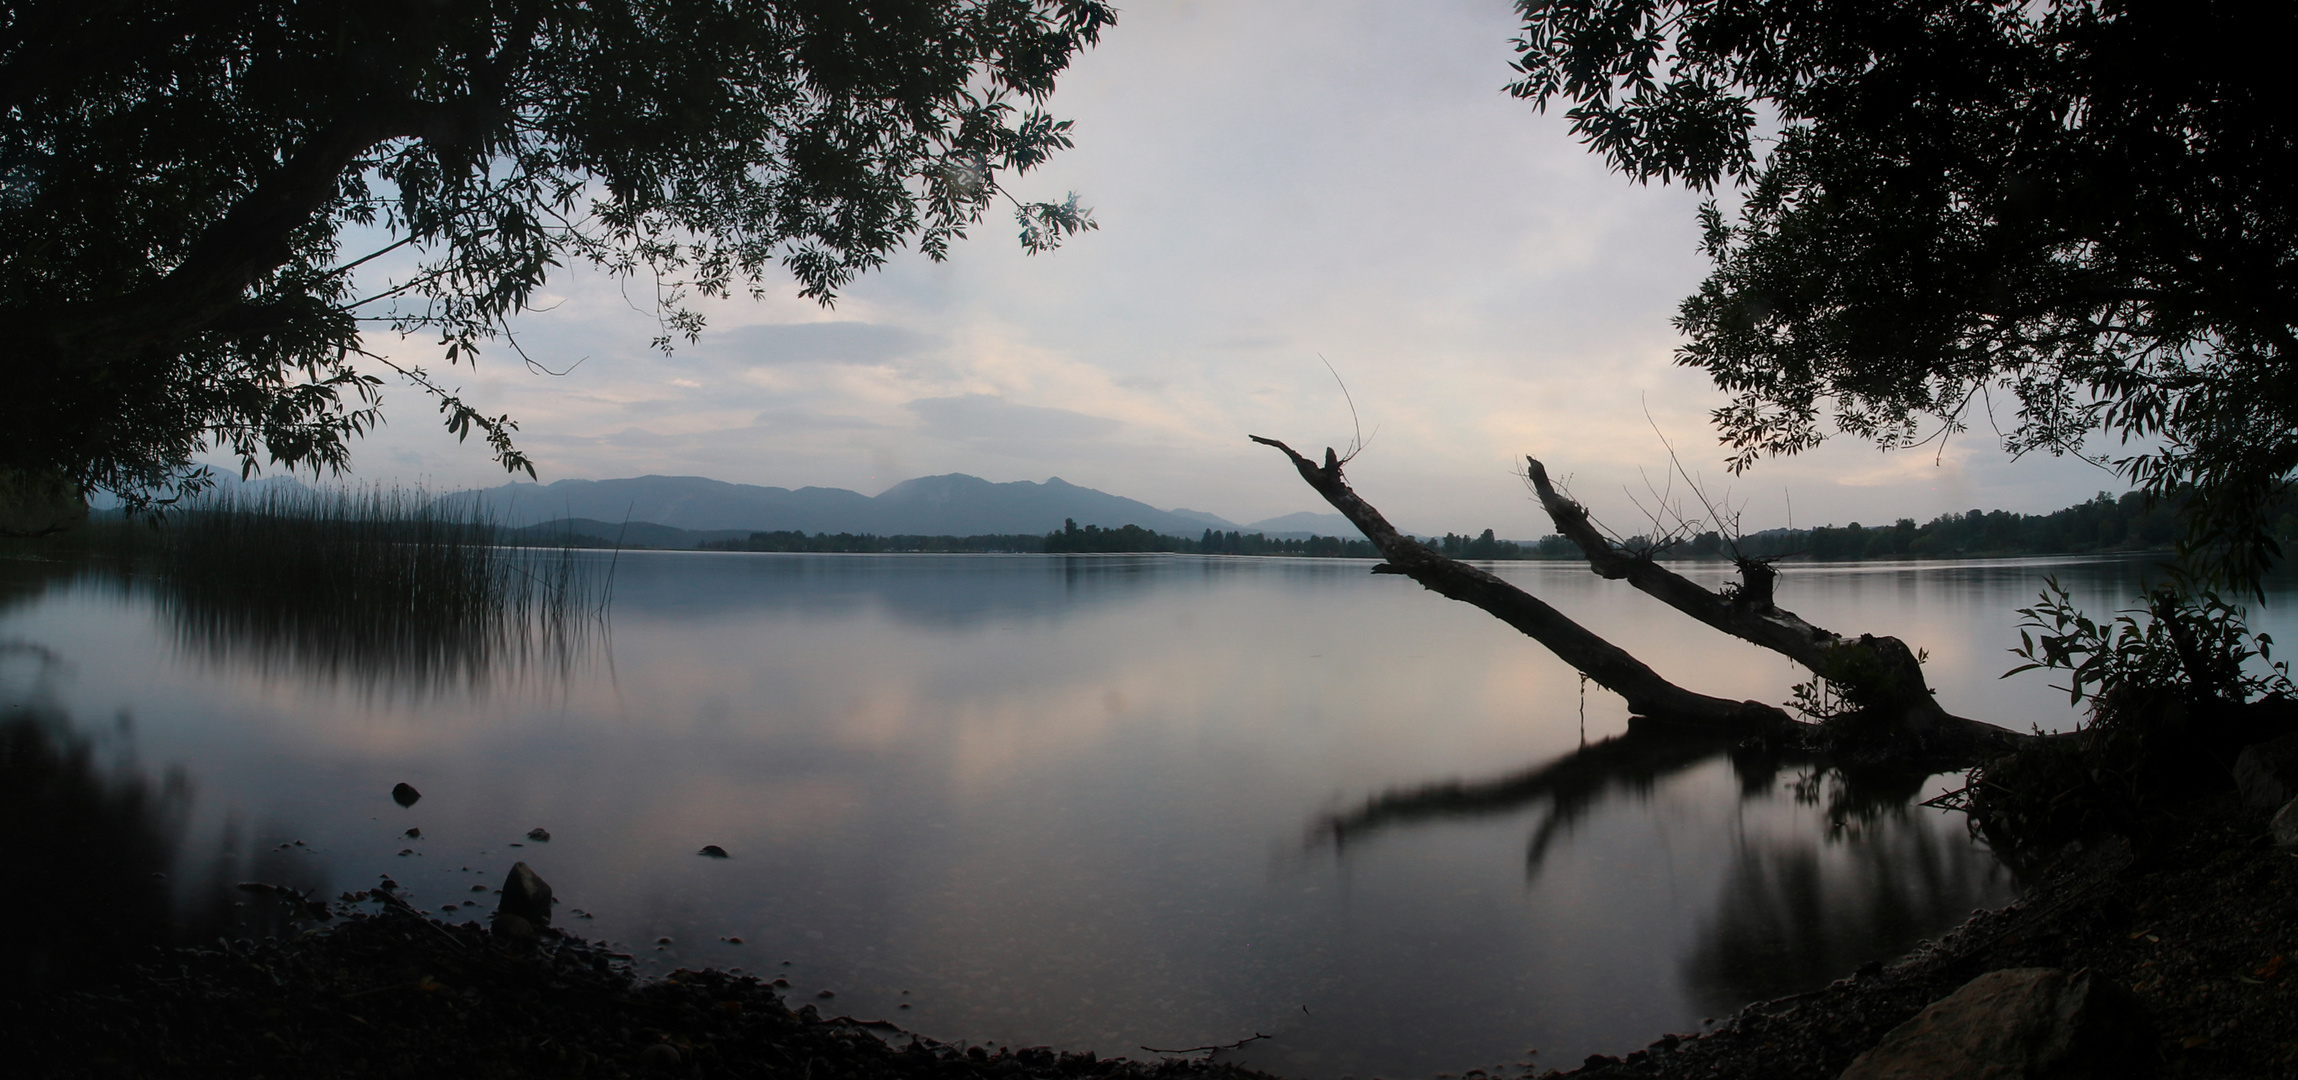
[[1794, 911]]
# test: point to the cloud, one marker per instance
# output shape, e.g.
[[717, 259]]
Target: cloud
[[844, 342], [988, 416]]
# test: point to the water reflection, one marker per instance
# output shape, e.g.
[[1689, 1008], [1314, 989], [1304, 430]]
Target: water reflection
[[94, 849], [1792, 916], [389, 653], [541, 624], [1793, 911], [1037, 800]]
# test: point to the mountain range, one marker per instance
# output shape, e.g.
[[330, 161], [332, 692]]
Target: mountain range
[[950, 505]]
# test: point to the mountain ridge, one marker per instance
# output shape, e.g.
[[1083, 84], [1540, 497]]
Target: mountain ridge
[[950, 504]]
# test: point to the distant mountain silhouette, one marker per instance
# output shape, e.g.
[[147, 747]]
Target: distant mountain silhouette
[[1303, 525], [951, 505]]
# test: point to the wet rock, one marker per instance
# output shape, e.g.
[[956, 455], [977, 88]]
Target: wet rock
[[404, 793], [527, 896], [515, 929], [413, 834], [539, 835], [2014, 1024], [713, 851], [2267, 773], [2285, 824], [659, 1056]]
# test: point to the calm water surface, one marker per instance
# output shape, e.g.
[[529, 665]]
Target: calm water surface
[[1087, 802]]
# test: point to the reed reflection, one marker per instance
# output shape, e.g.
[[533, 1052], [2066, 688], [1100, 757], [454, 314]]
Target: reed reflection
[[385, 590], [1794, 911]]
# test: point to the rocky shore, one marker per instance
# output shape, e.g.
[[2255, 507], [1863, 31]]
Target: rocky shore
[[2192, 928], [390, 992]]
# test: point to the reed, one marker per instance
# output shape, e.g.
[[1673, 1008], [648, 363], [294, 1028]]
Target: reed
[[375, 584]]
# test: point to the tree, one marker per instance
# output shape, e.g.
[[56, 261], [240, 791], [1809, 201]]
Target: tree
[[2085, 206], [1890, 712], [179, 184]]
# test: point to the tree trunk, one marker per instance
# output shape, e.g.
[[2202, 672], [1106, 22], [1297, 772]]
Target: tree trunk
[[1647, 693], [1880, 677], [1894, 717]]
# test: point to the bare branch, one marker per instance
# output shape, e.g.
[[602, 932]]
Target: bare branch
[[1613, 668]]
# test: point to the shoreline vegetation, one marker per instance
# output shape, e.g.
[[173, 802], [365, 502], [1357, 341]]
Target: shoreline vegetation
[[2102, 525]]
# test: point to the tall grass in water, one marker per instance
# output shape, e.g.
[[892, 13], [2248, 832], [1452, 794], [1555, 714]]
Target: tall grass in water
[[385, 587]]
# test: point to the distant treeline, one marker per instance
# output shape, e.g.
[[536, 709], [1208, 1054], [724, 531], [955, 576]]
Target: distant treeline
[[2102, 524], [870, 542], [1070, 539]]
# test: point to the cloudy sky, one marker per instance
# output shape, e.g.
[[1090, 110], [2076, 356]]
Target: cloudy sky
[[1275, 182]]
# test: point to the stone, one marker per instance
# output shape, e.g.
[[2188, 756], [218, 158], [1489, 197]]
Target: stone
[[540, 836], [659, 1056], [2267, 773], [2015, 1024], [526, 895], [404, 793], [514, 928], [2285, 825], [713, 851]]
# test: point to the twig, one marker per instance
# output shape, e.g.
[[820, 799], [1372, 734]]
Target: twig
[[1356, 440], [1205, 1049]]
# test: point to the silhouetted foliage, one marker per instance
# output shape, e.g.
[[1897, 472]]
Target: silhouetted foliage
[[2082, 207], [1094, 538], [186, 190]]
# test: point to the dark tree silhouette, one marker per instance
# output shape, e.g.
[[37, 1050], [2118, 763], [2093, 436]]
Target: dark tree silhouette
[[2077, 216], [186, 189]]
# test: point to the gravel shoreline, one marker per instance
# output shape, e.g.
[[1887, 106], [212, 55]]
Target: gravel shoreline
[[396, 993]]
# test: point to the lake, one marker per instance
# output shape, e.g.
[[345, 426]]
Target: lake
[[1105, 802]]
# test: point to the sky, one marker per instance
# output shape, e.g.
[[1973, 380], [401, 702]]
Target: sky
[[1279, 186]]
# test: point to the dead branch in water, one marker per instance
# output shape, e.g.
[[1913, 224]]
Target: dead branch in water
[[1613, 668], [1879, 674]]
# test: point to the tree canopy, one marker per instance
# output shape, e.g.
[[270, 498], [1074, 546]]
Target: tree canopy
[[181, 187], [2073, 217]]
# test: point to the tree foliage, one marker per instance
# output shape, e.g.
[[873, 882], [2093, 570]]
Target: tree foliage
[[179, 184], [2074, 216]]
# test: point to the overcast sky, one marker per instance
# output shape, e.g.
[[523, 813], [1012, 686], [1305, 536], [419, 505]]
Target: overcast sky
[[1275, 182]]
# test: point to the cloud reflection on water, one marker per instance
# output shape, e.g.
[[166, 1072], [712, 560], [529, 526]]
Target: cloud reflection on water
[[1061, 800]]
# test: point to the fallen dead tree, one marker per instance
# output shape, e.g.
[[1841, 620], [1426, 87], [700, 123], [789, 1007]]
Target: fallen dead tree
[[1880, 678], [1896, 715]]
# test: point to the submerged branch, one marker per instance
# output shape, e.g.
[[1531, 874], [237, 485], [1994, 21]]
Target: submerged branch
[[1613, 668]]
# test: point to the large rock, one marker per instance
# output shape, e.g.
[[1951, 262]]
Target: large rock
[[2015, 1024], [2285, 825], [525, 896], [2267, 772]]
